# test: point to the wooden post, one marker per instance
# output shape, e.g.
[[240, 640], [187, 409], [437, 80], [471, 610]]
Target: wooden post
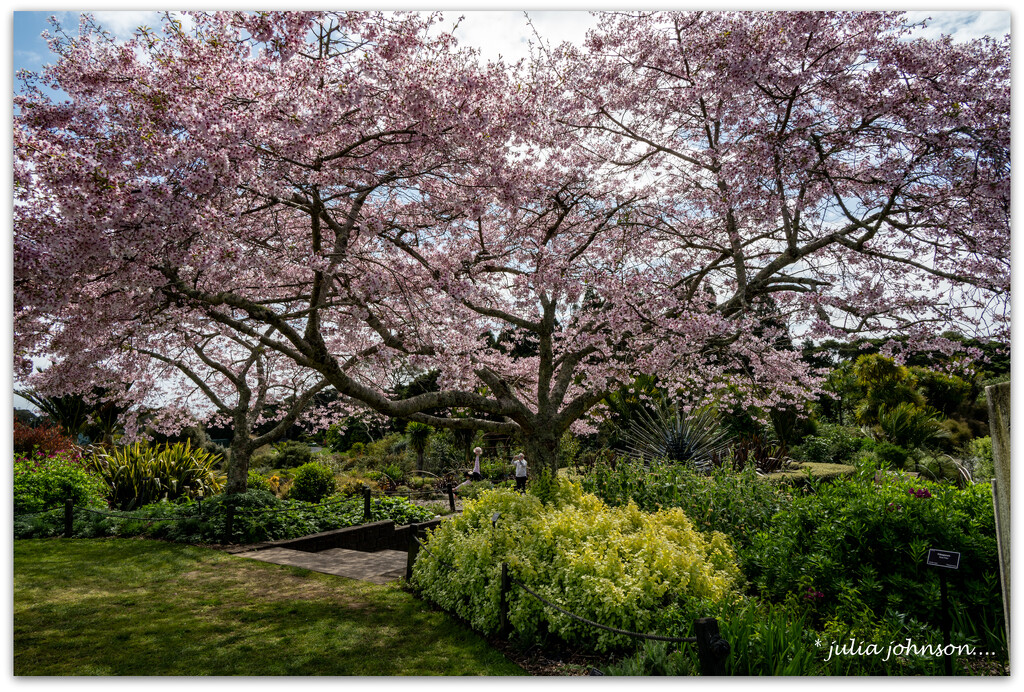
[[367, 510], [414, 549], [69, 517], [506, 586], [712, 650], [229, 523], [998, 396], [451, 497]]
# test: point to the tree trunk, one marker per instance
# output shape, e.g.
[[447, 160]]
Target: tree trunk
[[541, 449], [238, 467]]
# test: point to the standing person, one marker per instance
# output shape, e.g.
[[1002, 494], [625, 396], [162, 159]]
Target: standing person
[[476, 467], [520, 463], [473, 475]]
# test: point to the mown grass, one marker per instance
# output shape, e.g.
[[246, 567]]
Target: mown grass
[[135, 607]]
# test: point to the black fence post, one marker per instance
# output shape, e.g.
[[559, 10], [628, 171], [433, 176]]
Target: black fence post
[[712, 650], [451, 497], [506, 586], [414, 548], [69, 517], [367, 513], [229, 523]]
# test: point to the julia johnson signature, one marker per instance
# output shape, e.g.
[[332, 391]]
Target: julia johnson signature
[[908, 648]]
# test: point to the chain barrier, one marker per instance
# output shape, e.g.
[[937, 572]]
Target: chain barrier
[[416, 493], [255, 512], [424, 546], [131, 517]]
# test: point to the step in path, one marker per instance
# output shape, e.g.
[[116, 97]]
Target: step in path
[[379, 567]]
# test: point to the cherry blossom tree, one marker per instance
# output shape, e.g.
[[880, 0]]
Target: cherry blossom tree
[[187, 371], [857, 177], [354, 194]]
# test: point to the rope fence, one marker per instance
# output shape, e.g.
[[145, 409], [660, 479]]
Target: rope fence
[[230, 512], [616, 630], [132, 517], [712, 649]]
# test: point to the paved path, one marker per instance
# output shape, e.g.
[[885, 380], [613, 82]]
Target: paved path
[[379, 567]]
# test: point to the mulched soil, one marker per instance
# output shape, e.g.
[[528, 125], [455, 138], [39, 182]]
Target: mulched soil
[[548, 663]]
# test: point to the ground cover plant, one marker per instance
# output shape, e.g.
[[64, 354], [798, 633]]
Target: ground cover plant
[[139, 608]]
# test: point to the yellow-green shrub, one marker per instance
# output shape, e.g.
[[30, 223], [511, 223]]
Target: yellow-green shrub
[[354, 482], [615, 565]]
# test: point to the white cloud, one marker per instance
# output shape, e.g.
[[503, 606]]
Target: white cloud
[[508, 34], [123, 23], [963, 26], [28, 56]]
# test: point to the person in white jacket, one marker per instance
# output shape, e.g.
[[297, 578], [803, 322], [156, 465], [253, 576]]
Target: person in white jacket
[[520, 463]]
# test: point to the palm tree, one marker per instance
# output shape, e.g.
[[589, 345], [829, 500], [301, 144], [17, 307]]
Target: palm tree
[[419, 436]]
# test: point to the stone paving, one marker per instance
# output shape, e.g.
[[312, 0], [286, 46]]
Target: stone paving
[[378, 567]]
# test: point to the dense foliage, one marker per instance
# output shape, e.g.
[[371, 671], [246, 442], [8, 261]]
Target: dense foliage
[[737, 504], [292, 454], [863, 545], [43, 481], [859, 542], [617, 565], [312, 483], [830, 444], [43, 438], [780, 639]]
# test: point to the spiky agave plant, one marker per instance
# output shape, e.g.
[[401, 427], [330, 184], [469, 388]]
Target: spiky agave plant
[[695, 438]]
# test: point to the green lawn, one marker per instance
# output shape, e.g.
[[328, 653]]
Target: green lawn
[[134, 607]]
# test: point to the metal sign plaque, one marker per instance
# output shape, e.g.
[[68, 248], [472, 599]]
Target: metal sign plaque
[[943, 558]]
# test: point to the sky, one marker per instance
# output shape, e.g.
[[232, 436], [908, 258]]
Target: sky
[[497, 33]]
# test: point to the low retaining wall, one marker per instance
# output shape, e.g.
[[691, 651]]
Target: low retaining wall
[[380, 535]]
